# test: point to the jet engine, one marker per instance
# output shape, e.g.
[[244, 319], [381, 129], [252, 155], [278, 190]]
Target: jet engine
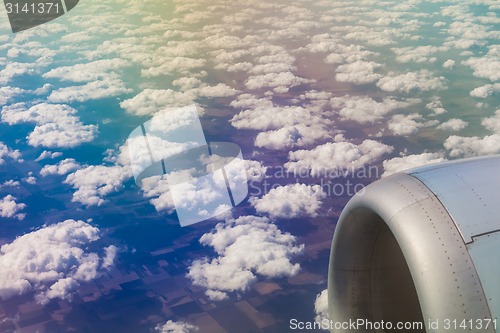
[[420, 246]]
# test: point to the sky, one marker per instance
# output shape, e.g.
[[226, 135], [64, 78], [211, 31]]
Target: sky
[[322, 98]]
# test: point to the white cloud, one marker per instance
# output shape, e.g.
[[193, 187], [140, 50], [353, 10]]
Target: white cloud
[[412, 81], [493, 123], [56, 124], [265, 116], [453, 124], [290, 201], [293, 136], [408, 124], [335, 156], [48, 155], [247, 247], [105, 88], [398, 164], [62, 168], [30, 179], [157, 189], [473, 146], [13, 69], [436, 105], [94, 182], [485, 91], [280, 82], [170, 66], [366, 110], [7, 93], [110, 254], [256, 171], [51, 262], [488, 66], [219, 90], [150, 101], [418, 54], [196, 197], [9, 208], [176, 327], [92, 71], [7, 152], [449, 64], [321, 306], [358, 72], [339, 53], [10, 183]]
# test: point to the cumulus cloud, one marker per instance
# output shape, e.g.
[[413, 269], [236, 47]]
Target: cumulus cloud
[[493, 123], [321, 306], [9, 208], [6, 152], [150, 101], [299, 135], [472, 146], [62, 168], [51, 262], [13, 69], [173, 65], [436, 106], [105, 88], [335, 156], [30, 179], [366, 110], [453, 124], [56, 124], [219, 90], [94, 182], [488, 66], [339, 53], [7, 94], [176, 327], [48, 155], [284, 126], [92, 71], [195, 198], [408, 124], [358, 72], [410, 82], [485, 91], [262, 114], [398, 164], [417, 54], [290, 201], [449, 64], [255, 170], [246, 248], [280, 82], [10, 183], [157, 188]]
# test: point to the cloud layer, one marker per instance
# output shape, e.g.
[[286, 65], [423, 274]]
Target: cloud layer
[[247, 247], [51, 262]]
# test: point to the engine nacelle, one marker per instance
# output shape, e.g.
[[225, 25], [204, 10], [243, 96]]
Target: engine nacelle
[[421, 246]]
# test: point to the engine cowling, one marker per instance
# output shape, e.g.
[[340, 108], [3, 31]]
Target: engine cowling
[[420, 246]]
